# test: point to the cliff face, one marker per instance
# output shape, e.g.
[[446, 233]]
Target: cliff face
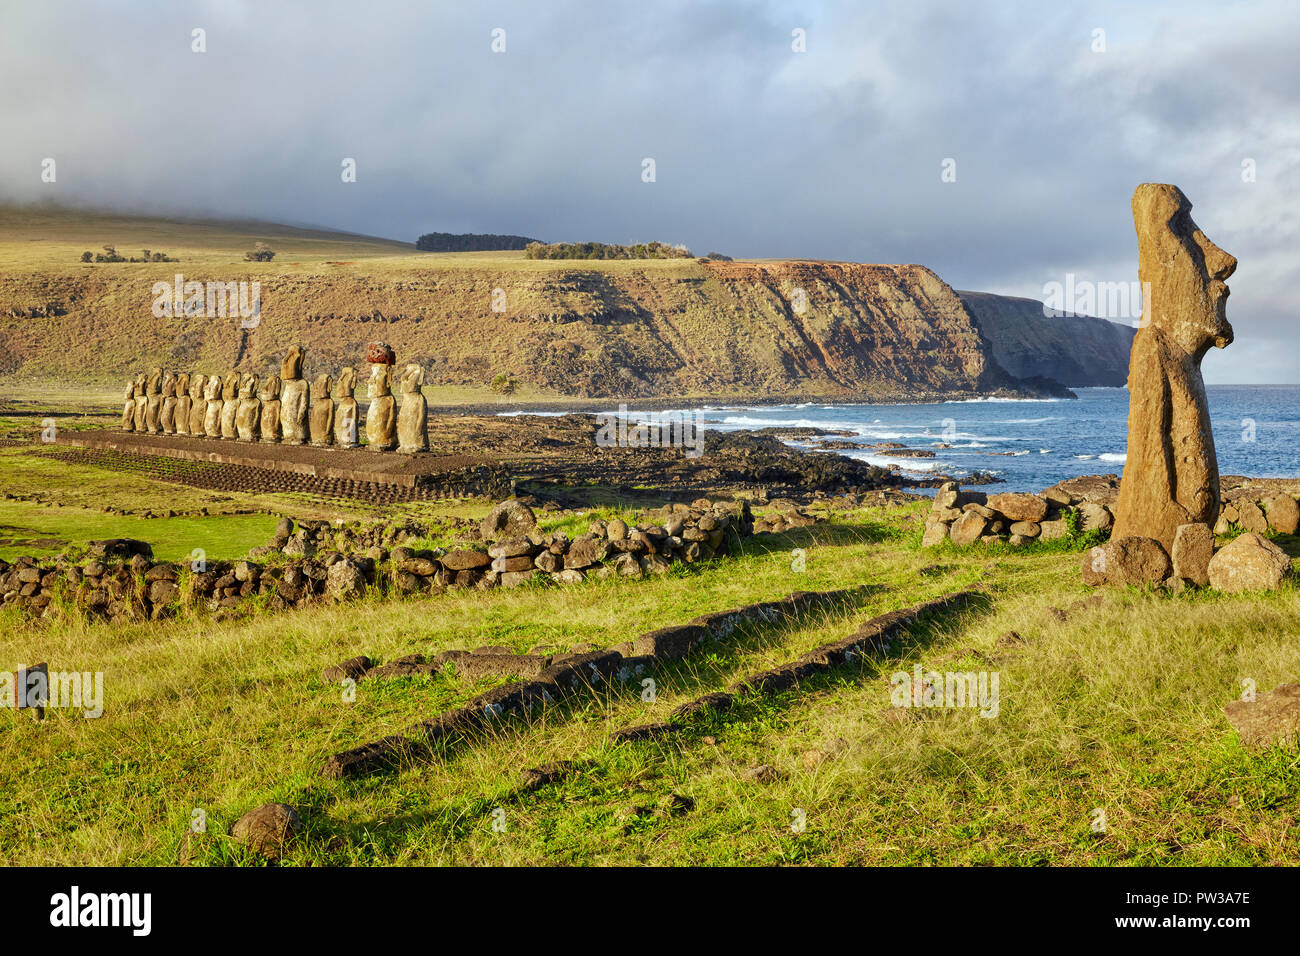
[[1074, 350], [622, 329]]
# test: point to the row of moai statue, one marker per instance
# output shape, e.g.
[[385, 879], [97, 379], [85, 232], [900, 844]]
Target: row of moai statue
[[284, 410]]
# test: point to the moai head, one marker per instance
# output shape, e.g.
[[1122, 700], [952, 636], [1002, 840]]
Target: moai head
[[381, 380], [248, 386], [270, 389], [130, 389], [154, 383], [197, 383], [140, 381], [347, 381], [412, 379], [182, 384], [1182, 272], [212, 390], [230, 387], [321, 388], [291, 366], [169, 385]]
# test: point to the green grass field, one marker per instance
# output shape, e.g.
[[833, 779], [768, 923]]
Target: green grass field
[[1118, 708]]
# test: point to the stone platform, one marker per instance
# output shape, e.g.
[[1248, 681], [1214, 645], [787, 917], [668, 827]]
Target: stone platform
[[253, 466]]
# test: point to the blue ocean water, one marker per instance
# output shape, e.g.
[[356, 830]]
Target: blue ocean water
[[1034, 444]]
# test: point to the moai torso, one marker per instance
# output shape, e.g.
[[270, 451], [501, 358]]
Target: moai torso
[[248, 418], [184, 404], [322, 411], [381, 418], [167, 415], [293, 398], [198, 403], [229, 405], [212, 416], [153, 401], [270, 424], [345, 410], [141, 403], [128, 409], [412, 420]]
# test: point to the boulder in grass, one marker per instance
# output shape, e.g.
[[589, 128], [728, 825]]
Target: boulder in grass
[[1272, 718], [968, 528], [1131, 560], [1248, 563], [509, 519], [268, 830]]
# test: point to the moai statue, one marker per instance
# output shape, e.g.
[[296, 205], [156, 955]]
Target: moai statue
[[183, 404], [212, 417], [128, 409], [412, 420], [345, 410], [141, 402], [167, 416], [293, 398], [248, 418], [381, 417], [1171, 475], [198, 403], [153, 401], [270, 396], [322, 411], [229, 405]]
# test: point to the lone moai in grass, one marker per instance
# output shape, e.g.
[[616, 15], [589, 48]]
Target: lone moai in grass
[[128, 408], [212, 414], [229, 405], [184, 404], [293, 398], [381, 417], [269, 426], [248, 417], [322, 411], [153, 401], [345, 410], [1171, 474], [167, 414], [412, 420], [198, 403]]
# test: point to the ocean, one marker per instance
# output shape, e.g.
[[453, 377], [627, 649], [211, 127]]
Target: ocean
[[1031, 444]]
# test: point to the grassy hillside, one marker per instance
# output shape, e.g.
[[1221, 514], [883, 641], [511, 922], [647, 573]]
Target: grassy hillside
[[596, 328]]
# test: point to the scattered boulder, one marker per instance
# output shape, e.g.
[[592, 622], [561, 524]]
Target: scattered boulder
[[1272, 718], [1248, 563], [1018, 506], [268, 830]]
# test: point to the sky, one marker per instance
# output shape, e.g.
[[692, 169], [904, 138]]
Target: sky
[[997, 143]]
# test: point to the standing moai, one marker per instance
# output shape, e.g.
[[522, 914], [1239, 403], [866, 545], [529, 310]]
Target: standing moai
[[293, 398], [184, 404], [167, 415], [1171, 475], [141, 403], [322, 411], [229, 405], [381, 417], [412, 420], [212, 416], [248, 418], [345, 410], [198, 403], [153, 401], [270, 423], [128, 408]]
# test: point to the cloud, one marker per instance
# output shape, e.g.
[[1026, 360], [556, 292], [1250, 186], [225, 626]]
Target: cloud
[[760, 151]]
